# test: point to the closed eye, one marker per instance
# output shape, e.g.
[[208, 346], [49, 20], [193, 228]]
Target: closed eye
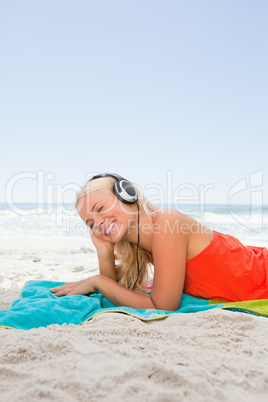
[[91, 226]]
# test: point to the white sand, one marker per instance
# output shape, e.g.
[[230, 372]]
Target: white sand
[[208, 356]]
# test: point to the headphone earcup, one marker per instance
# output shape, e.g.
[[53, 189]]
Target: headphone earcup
[[125, 191], [122, 188]]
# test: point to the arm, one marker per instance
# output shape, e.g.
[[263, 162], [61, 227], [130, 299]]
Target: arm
[[169, 248], [105, 252], [117, 294], [121, 296], [106, 262]]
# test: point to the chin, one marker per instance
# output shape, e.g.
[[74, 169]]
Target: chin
[[117, 238]]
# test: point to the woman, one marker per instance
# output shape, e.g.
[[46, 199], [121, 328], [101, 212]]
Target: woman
[[187, 256]]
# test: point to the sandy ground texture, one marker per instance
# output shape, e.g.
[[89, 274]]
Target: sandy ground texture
[[207, 356]]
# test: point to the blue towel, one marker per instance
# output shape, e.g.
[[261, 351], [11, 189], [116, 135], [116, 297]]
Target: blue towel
[[38, 307]]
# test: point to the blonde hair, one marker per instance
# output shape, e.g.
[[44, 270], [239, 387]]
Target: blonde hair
[[125, 252]]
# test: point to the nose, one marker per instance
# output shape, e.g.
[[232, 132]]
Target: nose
[[98, 222]]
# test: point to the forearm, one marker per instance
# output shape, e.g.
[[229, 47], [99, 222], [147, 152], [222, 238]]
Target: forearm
[[107, 263], [121, 296]]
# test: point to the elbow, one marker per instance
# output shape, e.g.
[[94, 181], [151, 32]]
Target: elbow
[[152, 305], [169, 308], [166, 306]]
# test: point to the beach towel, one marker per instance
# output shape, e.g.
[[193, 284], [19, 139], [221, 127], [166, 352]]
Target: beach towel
[[38, 307]]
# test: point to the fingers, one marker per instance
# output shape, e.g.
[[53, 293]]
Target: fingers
[[63, 289], [62, 286], [62, 292]]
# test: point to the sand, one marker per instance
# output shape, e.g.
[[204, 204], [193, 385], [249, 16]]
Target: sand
[[207, 356]]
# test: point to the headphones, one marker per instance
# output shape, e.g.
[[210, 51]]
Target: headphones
[[126, 193], [122, 188]]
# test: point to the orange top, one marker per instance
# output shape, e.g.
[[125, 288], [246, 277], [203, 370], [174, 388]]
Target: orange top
[[228, 270]]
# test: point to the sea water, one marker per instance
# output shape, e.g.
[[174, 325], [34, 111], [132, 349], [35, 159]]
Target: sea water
[[246, 222]]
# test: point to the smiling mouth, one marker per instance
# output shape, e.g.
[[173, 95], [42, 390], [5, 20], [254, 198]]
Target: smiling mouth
[[110, 228]]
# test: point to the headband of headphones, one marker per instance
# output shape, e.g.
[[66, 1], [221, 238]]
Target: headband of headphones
[[122, 188]]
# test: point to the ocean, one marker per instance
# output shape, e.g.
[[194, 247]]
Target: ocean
[[248, 223]]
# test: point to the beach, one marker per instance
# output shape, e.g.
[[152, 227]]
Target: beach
[[205, 356], [167, 102]]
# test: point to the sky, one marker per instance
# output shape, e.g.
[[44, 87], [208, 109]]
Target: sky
[[170, 94]]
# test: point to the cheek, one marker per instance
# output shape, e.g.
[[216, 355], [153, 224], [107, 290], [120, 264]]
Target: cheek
[[97, 232]]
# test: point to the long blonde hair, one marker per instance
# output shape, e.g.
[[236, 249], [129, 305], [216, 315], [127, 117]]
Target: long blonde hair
[[125, 252]]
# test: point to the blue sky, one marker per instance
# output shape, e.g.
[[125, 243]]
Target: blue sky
[[151, 90]]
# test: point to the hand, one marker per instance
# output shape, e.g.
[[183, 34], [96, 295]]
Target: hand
[[76, 288], [101, 244]]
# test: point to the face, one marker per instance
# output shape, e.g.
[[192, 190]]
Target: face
[[105, 215]]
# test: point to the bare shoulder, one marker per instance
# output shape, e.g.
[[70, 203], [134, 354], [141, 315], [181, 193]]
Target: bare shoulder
[[177, 224], [173, 220]]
